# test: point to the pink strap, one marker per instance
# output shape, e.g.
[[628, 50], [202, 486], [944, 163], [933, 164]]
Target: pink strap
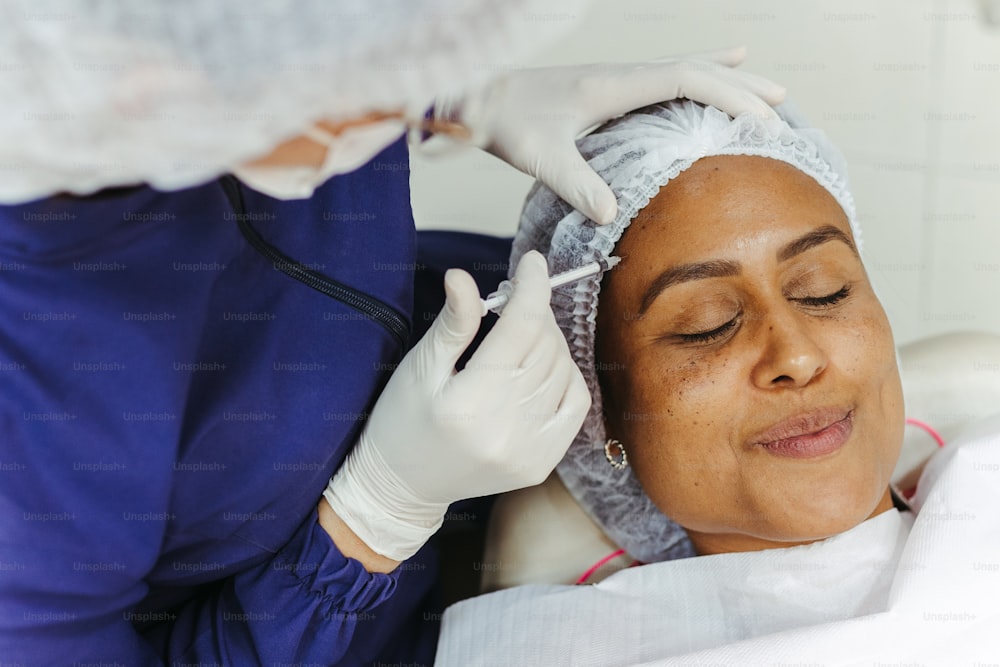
[[927, 427], [595, 566]]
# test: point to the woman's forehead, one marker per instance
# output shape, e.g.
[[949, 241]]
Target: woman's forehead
[[732, 203]]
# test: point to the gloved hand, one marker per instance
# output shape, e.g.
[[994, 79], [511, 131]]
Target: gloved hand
[[436, 435], [531, 118]]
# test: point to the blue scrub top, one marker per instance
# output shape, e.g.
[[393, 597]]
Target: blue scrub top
[[172, 406]]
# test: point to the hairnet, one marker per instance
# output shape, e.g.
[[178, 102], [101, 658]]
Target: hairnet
[[637, 155], [174, 92]]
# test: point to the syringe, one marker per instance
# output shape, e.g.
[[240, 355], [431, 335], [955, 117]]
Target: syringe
[[498, 299]]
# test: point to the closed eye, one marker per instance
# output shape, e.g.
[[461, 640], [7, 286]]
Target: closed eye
[[707, 336], [828, 300], [721, 331]]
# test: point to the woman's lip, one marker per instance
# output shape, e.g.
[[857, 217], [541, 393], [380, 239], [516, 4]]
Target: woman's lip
[[810, 434]]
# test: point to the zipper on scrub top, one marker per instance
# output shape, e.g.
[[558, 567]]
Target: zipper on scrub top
[[384, 314]]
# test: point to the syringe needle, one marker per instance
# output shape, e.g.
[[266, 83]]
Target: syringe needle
[[498, 299]]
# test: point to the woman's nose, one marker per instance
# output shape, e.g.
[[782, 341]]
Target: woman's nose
[[790, 354]]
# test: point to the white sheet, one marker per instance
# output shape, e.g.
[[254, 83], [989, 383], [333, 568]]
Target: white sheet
[[881, 593]]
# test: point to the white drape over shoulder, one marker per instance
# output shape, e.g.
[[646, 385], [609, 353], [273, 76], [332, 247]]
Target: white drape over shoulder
[[883, 592]]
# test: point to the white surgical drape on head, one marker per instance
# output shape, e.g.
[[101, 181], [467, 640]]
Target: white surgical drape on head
[[174, 92]]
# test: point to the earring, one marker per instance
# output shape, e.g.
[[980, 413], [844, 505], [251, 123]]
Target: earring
[[619, 463]]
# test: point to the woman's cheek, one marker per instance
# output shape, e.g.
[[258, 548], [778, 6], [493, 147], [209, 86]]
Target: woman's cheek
[[676, 398], [705, 385], [864, 343]]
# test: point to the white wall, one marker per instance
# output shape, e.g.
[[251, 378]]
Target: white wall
[[909, 89]]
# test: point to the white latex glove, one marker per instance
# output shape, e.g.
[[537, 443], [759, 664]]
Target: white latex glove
[[436, 436], [531, 118]]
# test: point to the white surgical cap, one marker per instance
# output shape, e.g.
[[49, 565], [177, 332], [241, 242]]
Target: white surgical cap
[[99, 93], [637, 155]]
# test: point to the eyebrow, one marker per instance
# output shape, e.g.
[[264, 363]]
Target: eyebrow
[[816, 237], [724, 268]]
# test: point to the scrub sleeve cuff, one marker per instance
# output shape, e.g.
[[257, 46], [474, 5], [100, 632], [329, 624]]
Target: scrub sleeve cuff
[[312, 562]]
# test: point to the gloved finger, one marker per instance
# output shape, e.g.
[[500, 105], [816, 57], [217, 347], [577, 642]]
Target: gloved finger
[[546, 381], [731, 57], [523, 318], [573, 408], [769, 91], [453, 330], [723, 93], [561, 428], [549, 347], [635, 86], [731, 91], [546, 371], [544, 367], [576, 400], [723, 62], [569, 176]]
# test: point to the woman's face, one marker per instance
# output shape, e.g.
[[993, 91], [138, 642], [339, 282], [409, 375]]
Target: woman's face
[[748, 368]]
